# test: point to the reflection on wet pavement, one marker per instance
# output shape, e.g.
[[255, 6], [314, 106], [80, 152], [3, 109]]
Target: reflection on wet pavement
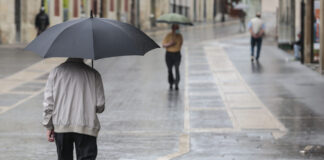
[[227, 107], [279, 84]]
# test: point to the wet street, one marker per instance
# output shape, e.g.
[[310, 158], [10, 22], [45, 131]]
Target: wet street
[[227, 108]]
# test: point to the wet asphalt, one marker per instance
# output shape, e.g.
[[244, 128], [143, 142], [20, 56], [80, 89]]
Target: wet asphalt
[[144, 120]]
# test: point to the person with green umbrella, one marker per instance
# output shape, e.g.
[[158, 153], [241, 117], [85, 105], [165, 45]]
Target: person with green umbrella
[[173, 43]]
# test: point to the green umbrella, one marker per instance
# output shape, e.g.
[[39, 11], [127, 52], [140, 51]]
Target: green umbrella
[[174, 18]]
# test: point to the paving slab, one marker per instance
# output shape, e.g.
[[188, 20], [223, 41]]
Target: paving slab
[[13, 59], [210, 119], [29, 87], [9, 99]]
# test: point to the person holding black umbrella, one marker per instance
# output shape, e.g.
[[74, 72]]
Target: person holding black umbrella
[[74, 91], [73, 96], [173, 43]]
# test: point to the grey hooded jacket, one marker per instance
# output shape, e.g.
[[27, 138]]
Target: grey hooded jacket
[[73, 96]]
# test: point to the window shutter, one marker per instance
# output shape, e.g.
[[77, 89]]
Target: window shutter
[[112, 5], [57, 8], [75, 8]]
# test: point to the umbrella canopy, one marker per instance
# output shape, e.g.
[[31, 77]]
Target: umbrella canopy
[[174, 18], [241, 6], [91, 38]]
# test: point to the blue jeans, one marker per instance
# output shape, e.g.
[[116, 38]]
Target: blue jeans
[[297, 50], [258, 43]]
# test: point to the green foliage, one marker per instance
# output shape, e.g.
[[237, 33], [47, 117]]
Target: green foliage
[[65, 3]]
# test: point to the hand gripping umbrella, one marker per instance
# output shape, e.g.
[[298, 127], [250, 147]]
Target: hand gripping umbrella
[[174, 18], [91, 38]]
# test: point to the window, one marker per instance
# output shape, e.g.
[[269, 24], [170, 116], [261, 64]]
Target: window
[[83, 7], [126, 6], [94, 8], [57, 8], [75, 8], [112, 5]]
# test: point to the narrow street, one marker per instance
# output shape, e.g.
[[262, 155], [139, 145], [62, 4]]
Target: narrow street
[[227, 108]]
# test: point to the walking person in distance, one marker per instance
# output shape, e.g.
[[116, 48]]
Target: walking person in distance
[[257, 30], [41, 21], [173, 43]]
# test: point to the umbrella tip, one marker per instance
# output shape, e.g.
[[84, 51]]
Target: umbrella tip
[[91, 14]]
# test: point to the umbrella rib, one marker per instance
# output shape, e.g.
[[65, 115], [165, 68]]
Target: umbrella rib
[[93, 47], [61, 34]]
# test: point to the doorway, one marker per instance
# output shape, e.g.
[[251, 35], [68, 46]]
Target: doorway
[[18, 20]]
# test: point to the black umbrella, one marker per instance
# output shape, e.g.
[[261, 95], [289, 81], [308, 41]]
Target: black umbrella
[[91, 38]]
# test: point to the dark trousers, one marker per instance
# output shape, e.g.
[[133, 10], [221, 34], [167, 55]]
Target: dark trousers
[[258, 43], [86, 146], [173, 60]]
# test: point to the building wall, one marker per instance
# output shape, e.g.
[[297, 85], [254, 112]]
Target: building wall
[[200, 10], [191, 4], [218, 8], [210, 10], [253, 6], [28, 12], [297, 17], [7, 19], [125, 7], [269, 6], [85, 8], [74, 9], [196, 9], [286, 22], [55, 18], [112, 9], [269, 15], [145, 12], [162, 7], [117, 10]]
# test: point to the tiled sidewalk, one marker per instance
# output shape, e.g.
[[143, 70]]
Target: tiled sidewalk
[[219, 99], [25, 84]]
